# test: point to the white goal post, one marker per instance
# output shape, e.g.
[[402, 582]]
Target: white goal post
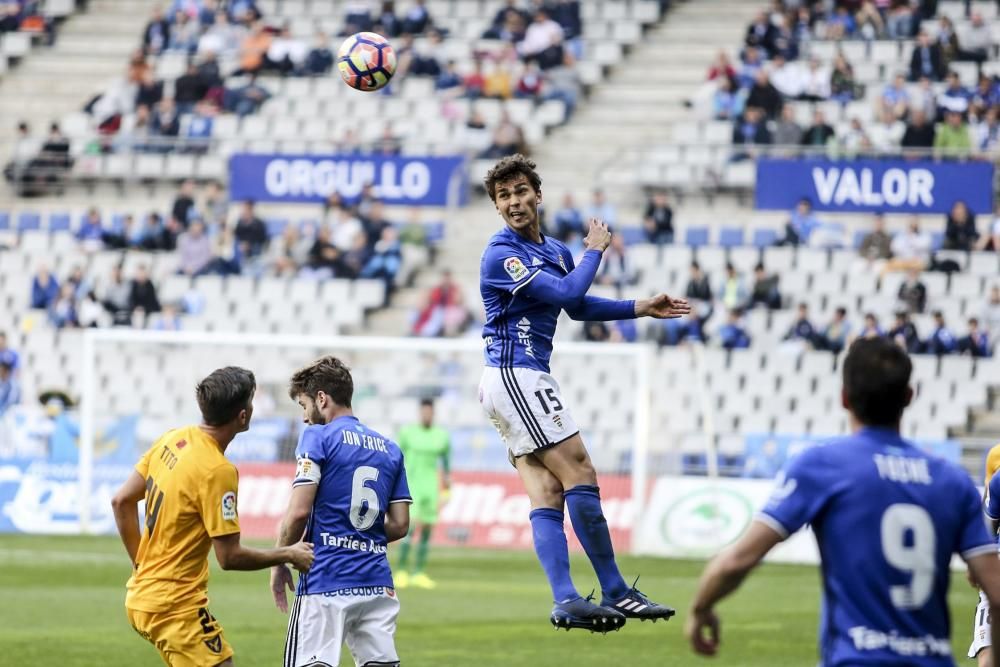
[[608, 388]]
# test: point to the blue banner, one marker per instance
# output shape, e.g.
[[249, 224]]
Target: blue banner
[[767, 453], [890, 186], [411, 181]]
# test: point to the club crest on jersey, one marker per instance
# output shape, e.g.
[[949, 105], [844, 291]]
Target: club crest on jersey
[[557, 420], [214, 644], [229, 506], [515, 268], [535, 261]]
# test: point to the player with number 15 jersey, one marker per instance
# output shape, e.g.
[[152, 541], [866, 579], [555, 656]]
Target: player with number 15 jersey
[[350, 495]]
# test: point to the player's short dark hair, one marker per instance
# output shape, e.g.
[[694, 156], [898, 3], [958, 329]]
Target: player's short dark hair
[[427, 402], [328, 375], [509, 167], [224, 394], [877, 380]]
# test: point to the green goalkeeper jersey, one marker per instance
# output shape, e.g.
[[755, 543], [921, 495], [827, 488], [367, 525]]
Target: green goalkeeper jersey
[[422, 449]]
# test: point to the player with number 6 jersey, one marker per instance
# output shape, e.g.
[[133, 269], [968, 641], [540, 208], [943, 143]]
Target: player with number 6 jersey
[[350, 495], [887, 518]]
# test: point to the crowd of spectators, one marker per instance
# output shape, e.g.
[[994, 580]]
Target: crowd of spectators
[[923, 108]]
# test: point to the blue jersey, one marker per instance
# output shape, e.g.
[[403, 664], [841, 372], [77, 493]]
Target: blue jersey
[[519, 330], [993, 497], [359, 473], [887, 519]]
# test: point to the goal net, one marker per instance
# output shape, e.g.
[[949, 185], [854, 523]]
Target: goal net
[[137, 384]]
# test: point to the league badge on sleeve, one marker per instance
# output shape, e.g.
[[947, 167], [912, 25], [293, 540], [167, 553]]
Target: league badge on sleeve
[[515, 268], [229, 506]]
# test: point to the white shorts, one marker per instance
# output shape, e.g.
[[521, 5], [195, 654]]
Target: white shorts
[[980, 627], [320, 623], [526, 407]]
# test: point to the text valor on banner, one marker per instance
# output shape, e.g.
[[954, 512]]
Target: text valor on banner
[[411, 181], [890, 186]]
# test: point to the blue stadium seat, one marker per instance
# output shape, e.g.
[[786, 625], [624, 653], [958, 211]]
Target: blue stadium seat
[[276, 226], [763, 238], [859, 236], [59, 222], [696, 237], [29, 221], [4, 220], [118, 223], [631, 234], [731, 237], [937, 240]]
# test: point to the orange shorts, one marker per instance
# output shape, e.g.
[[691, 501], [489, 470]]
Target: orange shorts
[[189, 638]]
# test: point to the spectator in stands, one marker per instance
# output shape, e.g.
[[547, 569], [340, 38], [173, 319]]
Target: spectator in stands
[[244, 11], [78, 282], [834, 336], [900, 21], [358, 18], [62, 311], [942, 341], [732, 335], [925, 99], [761, 33], [789, 79], [156, 36], [542, 41], [913, 293], [142, 294], [149, 91], [90, 312], [183, 208], [764, 290], [25, 149], [658, 220], [896, 98], [855, 140], [877, 244], [952, 138], [976, 342], [840, 24], [164, 125], [596, 332], [721, 68], [991, 313], [529, 84], [286, 254], [254, 49], [911, 249], [819, 133], [616, 267], [763, 95], [816, 81], [91, 231], [194, 249], [385, 260], [960, 231], [501, 20], [985, 130], [323, 260], [443, 312], [285, 54], [992, 240], [926, 60], [870, 24], [417, 19], [601, 209], [214, 206], [748, 132], [250, 233], [8, 355], [116, 298], [801, 224], [168, 320], [732, 293], [947, 39], [184, 33], [247, 99], [727, 102], [904, 333], [223, 37], [751, 63], [345, 229], [802, 330], [10, 389], [977, 40], [508, 139], [567, 220], [886, 134], [188, 89], [786, 131], [919, 133], [198, 133], [844, 87], [699, 293], [449, 80], [954, 97]]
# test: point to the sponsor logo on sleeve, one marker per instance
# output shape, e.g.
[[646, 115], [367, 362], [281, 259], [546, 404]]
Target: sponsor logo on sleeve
[[229, 506], [515, 268]]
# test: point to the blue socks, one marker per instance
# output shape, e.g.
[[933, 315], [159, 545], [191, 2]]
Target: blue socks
[[591, 528], [550, 546]]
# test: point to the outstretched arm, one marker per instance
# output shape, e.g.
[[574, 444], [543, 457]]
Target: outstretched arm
[[597, 309]]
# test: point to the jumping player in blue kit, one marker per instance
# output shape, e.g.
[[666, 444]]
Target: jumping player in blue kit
[[349, 495], [887, 519], [526, 280]]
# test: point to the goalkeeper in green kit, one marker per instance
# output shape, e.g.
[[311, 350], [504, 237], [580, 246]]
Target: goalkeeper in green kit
[[424, 446]]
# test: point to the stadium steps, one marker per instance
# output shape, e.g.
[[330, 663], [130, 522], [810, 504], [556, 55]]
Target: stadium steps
[[62, 79], [643, 96]]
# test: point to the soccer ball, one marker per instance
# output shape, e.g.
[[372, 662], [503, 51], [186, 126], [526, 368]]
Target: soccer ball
[[366, 61]]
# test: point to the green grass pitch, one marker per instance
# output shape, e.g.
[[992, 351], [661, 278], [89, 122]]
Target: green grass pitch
[[61, 604]]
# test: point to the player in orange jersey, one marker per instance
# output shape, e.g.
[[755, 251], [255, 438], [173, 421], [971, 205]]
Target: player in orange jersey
[[190, 490]]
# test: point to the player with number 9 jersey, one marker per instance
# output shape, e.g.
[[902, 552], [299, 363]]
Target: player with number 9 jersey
[[887, 519], [350, 495]]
